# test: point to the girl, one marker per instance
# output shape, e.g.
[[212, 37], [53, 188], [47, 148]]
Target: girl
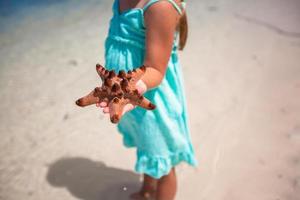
[[145, 32]]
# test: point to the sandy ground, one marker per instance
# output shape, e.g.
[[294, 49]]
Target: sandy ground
[[242, 74]]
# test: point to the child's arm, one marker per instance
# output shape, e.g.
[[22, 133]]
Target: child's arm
[[160, 22]]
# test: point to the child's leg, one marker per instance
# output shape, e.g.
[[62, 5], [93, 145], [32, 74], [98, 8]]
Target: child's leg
[[149, 184], [148, 189], [167, 186]]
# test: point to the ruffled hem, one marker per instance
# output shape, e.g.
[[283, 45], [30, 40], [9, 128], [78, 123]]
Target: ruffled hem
[[157, 167]]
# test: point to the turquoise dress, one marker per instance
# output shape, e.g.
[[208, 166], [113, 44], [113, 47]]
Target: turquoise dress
[[161, 136]]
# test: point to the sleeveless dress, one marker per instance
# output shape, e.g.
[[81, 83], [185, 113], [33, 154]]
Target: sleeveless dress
[[161, 136]]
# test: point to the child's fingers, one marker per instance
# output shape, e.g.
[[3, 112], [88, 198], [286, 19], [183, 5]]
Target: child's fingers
[[127, 108], [106, 110], [141, 86], [103, 104]]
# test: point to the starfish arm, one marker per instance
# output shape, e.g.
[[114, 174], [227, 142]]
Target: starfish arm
[[136, 75], [102, 72], [95, 96], [116, 107], [142, 101]]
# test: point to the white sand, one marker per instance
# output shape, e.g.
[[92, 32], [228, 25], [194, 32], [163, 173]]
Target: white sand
[[241, 62]]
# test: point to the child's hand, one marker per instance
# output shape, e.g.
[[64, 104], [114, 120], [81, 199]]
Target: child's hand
[[140, 86], [105, 107]]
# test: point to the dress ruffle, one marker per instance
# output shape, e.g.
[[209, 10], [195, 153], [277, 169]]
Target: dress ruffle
[[158, 166]]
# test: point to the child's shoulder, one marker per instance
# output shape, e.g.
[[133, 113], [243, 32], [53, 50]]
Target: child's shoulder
[[159, 7]]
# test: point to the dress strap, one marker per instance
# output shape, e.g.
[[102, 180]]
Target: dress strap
[[115, 8], [179, 10]]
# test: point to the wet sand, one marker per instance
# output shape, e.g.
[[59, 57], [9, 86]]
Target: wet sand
[[242, 77]]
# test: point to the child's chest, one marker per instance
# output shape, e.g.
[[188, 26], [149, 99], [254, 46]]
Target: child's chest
[[124, 5]]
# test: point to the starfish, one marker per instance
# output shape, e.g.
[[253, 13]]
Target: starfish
[[117, 90]]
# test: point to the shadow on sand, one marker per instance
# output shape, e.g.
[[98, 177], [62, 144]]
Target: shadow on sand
[[90, 180]]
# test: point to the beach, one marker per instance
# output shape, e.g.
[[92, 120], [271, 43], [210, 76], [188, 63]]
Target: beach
[[241, 68]]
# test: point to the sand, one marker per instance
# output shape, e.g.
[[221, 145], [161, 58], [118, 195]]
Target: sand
[[242, 77]]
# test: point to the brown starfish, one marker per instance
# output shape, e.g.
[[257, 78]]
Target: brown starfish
[[117, 91]]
